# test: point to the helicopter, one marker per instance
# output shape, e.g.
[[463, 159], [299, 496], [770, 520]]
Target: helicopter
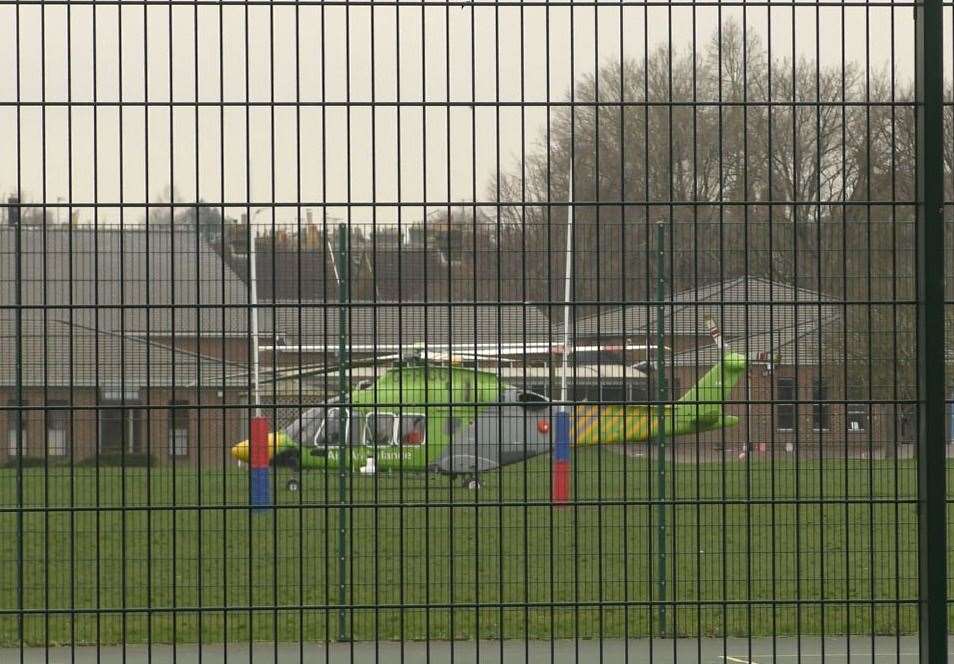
[[433, 415]]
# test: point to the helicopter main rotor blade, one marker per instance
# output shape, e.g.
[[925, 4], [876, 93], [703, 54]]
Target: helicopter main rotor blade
[[315, 370], [535, 348], [368, 362]]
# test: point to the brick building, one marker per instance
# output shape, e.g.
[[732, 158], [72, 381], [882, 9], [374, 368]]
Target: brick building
[[138, 341], [131, 342]]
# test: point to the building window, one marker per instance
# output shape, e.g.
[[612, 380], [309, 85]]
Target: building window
[[785, 408], [588, 393], [950, 419], [179, 429], [639, 392], [857, 418], [614, 393], [821, 412], [13, 437], [57, 428]]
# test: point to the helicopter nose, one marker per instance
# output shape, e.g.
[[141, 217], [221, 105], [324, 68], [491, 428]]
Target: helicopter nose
[[240, 451]]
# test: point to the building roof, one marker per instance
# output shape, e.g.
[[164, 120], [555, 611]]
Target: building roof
[[384, 266], [56, 354], [405, 325], [163, 279], [742, 307], [807, 344]]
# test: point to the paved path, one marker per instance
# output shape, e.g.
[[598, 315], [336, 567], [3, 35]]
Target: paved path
[[684, 651]]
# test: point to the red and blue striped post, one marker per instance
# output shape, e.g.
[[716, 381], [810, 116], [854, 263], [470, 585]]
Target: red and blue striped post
[[561, 457], [258, 462], [561, 450]]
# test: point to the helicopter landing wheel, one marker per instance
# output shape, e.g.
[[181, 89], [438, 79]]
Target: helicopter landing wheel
[[473, 484], [293, 485]]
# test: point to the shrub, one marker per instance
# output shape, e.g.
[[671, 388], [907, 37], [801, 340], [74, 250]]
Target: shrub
[[129, 460], [35, 462]]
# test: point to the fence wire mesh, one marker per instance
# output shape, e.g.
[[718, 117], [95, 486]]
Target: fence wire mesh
[[384, 331]]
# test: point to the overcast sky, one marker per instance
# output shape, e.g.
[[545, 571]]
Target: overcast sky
[[482, 51]]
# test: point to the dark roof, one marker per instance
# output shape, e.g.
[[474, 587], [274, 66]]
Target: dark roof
[[742, 307], [387, 274], [807, 344], [57, 354], [407, 324], [165, 278]]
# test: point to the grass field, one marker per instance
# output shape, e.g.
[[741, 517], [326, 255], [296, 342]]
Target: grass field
[[755, 547]]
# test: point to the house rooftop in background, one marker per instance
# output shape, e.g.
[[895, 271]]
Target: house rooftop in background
[[407, 263], [163, 280], [57, 354], [392, 324], [807, 344]]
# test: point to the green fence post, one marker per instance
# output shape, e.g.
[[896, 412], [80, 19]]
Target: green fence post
[[13, 212], [661, 422], [343, 423], [932, 508]]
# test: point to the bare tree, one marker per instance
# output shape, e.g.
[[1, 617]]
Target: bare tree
[[764, 168]]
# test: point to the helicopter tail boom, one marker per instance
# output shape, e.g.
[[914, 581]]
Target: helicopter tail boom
[[708, 395], [699, 409]]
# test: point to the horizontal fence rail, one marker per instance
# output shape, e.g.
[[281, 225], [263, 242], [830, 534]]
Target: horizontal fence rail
[[476, 331]]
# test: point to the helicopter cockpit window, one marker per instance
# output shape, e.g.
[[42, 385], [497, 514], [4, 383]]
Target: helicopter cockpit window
[[379, 429], [413, 429], [329, 431], [304, 428]]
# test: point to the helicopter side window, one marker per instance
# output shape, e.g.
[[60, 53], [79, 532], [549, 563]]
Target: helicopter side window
[[413, 429], [379, 429], [453, 425], [531, 401]]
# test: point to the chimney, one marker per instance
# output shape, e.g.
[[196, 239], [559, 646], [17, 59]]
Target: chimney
[[13, 211]]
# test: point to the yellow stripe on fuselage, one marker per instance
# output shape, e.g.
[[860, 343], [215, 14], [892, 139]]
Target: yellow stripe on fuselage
[[608, 425], [582, 418], [588, 433], [640, 426]]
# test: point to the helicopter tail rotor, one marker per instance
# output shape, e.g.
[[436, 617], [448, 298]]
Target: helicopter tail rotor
[[715, 333], [766, 359]]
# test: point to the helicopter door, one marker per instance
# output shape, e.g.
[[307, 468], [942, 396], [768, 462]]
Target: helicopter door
[[509, 432]]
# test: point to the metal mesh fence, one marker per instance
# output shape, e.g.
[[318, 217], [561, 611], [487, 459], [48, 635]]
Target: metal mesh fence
[[490, 330]]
